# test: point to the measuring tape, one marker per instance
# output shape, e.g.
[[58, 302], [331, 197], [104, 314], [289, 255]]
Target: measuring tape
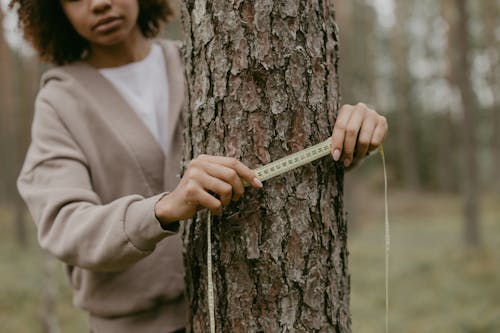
[[277, 168]]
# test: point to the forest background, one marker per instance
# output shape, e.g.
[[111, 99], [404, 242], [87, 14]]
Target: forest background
[[432, 67]]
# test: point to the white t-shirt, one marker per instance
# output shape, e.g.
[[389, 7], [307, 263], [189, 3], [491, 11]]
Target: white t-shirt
[[144, 85]]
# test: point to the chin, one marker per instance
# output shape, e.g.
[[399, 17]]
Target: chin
[[110, 40]]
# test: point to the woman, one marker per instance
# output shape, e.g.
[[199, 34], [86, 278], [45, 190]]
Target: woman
[[106, 148]]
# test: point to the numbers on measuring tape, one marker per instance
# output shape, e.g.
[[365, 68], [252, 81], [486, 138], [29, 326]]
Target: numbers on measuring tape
[[293, 161]]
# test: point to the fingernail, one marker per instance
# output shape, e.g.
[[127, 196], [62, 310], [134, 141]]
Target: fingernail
[[347, 162], [257, 182], [336, 155]]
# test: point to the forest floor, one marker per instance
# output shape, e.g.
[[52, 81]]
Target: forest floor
[[437, 284], [28, 277]]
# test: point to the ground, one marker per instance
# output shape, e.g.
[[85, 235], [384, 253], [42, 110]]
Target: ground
[[436, 283]]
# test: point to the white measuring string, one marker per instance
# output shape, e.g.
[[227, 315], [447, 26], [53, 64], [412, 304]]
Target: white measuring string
[[279, 167]]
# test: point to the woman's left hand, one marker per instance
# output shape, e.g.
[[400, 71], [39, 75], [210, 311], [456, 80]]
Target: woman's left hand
[[357, 131]]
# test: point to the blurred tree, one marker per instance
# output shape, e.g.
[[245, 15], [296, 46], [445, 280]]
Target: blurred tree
[[490, 14], [48, 308], [263, 82], [358, 25], [438, 151], [19, 78], [405, 102], [10, 143], [27, 83], [357, 28], [7, 105], [459, 52], [445, 149]]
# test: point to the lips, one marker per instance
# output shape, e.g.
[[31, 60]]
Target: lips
[[107, 24]]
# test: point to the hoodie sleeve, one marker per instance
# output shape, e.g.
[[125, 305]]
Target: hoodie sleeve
[[72, 222]]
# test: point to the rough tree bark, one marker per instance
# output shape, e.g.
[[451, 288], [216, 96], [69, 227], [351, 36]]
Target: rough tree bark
[[262, 83]]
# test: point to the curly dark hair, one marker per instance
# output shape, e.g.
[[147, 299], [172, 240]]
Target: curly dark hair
[[46, 27]]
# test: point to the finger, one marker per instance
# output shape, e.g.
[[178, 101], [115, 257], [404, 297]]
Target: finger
[[218, 187], [351, 136], [207, 200], [339, 130], [229, 176], [364, 137], [243, 171], [379, 133]]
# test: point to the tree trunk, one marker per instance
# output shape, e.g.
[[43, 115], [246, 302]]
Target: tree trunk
[[48, 315], [407, 124], [490, 11], [459, 52], [359, 55], [6, 106], [18, 77], [26, 87], [469, 106], [11, 121], [262, 83], [446, 148], [357, 73]]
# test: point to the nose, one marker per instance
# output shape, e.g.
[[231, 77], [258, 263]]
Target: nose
[[100, 6]]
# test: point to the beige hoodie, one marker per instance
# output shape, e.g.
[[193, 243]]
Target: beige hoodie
[[91, 178]]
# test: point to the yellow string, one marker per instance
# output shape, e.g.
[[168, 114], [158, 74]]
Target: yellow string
[[387, 241], [210, 292]]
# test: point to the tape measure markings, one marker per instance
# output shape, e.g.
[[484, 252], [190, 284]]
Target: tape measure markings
[[292, 161]]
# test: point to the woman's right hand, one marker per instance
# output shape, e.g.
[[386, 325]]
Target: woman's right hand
[[209, 182]]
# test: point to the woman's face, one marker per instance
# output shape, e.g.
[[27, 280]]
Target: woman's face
[[102, 22]]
